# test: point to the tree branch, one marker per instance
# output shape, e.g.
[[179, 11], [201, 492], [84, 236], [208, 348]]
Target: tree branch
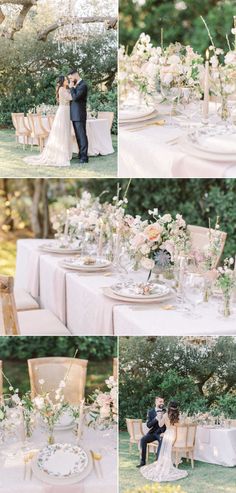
[[19, 22], [110, 23], [2, 16]]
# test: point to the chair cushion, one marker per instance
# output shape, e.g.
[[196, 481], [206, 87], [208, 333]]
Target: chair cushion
[[41, 323], [24, 301]]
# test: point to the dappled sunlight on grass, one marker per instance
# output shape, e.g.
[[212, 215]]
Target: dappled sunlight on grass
[[7, 257], [13, 166], [204, 478]]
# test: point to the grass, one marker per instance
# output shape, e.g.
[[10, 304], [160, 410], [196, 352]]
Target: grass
[[204, 478], [13, 166], [17, 373]]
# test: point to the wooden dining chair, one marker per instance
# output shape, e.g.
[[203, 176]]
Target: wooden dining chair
[[38, 131], [106, 115], [200, 239], [184, 442], [29, 322], [54, 369], [135, 430], [115, 368], [1, 379], [21, 128]]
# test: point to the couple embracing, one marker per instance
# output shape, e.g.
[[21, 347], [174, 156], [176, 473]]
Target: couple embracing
[[161, 424], [71, 95]]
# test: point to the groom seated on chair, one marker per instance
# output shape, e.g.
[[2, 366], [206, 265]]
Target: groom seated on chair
[[155, 431]]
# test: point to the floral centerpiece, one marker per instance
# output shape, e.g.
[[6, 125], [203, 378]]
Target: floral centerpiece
[[226, 281], [148, 66], [103, 410], [138, 71], [158, 243], [180, 66]]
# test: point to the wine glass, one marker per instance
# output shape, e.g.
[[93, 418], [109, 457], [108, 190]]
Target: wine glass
[[193, 290], [172, 95]]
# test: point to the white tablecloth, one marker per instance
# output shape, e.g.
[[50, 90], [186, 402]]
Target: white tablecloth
[[154, 320], [216, 446], [98, 132], [147, 154], [78, 301], [12, 473]]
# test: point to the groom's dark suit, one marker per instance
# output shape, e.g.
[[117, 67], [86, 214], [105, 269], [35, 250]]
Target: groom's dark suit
[[78, 116], [154, 433]]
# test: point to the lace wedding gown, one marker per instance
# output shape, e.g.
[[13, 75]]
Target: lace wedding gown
[[58, 150], [163, 469]]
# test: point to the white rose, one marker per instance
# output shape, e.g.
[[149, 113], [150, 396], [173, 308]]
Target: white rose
[[147, 263], [166, 218]]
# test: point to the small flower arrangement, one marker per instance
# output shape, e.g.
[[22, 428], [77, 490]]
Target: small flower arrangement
[[103, 410], [50, 409], [226, 281]]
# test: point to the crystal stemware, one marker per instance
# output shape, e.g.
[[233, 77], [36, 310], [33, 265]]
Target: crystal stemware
[[193, 290]]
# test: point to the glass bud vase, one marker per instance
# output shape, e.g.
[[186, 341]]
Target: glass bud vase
[[224, 111], [226, 304], [51, 438]]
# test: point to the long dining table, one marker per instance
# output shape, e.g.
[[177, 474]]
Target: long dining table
[[99, 136], [78, 300], [147, 150]]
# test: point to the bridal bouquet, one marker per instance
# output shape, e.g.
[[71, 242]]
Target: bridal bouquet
[[158, 243], [104, 407]]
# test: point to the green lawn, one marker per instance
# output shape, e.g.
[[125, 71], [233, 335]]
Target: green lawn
[[204, 478], [13, 166]]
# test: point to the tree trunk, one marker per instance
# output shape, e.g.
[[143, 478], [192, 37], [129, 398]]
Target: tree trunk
[[35, 214]]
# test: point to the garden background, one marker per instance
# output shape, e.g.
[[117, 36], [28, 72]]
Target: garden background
[[14, 352], [27, 204], [200, 373], [179, 19]]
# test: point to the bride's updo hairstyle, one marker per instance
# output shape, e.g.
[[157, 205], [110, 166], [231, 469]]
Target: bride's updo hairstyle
[[60, 82], [173, 412]]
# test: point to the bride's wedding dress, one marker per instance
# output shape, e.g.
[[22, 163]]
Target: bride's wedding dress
[[163, 469], [58, 150]]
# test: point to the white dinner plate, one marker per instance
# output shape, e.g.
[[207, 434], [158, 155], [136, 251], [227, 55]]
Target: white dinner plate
[[126, 292], [51, 479], [186, 147], [110, 294], [217, 144], [132, 113], [78, 264], [47, 247]]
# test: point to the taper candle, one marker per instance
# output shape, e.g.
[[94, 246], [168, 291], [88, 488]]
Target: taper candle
[[206, 89]]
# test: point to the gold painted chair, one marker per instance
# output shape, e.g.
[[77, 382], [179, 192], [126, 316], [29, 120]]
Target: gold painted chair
[[184, 442], [21, 128], [29, 322], [54, 369], [115, 368], [200, 239], [135, 430], [106, 115]]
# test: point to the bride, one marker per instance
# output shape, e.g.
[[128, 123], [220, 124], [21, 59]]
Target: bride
[[163, 469], [58, 150]]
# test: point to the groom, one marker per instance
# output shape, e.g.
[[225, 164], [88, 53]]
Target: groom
[[155, 431], [78, 113]]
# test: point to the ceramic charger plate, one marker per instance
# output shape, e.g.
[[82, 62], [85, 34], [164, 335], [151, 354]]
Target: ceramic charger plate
[[79, 264], [158, 291], [51, 248], [159, 299], [61, 464]]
